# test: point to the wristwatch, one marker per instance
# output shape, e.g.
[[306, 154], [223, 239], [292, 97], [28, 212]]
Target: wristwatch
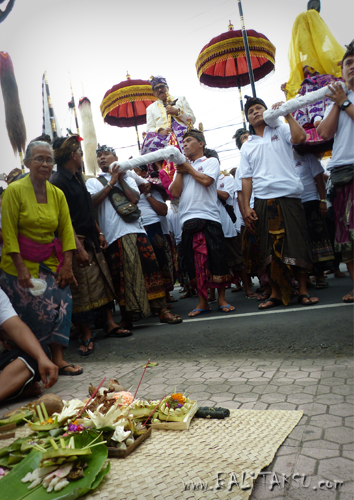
[[148, 195], [345, 104]]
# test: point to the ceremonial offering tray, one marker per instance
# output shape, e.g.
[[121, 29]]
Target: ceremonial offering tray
[[117, 453], [180, 425]]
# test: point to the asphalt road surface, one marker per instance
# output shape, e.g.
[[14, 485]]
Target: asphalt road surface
[[324, 329]]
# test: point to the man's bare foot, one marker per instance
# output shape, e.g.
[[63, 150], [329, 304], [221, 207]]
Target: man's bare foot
[[198, 312], [349, 298]]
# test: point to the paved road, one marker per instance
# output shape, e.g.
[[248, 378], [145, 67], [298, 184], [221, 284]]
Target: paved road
[[293, 330]]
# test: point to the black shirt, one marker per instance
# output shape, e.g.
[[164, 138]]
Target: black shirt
[[79, 201]]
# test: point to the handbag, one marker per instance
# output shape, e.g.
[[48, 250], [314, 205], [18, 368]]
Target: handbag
[[343, 175], [230, 210], [193, 225], [128, 211]]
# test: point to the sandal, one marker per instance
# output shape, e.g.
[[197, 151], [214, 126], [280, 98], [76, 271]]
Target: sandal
[[227, 307], [86, 343], [321, 284], [251, 296], [118, 332], [304, 296], [63, 371], [199, 311], [273, 303], [171, 321], [263, 296], [348, 298]]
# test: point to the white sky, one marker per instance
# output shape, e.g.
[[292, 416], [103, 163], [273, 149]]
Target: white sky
[[99, 41]]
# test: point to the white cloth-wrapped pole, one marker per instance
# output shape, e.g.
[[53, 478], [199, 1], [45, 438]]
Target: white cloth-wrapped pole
[[170, 153], [271, 116]]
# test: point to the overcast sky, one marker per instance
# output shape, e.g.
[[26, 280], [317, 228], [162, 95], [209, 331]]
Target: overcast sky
[[98, 41]]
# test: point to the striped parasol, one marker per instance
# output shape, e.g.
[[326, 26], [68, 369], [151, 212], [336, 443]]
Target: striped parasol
[[124, 105], [222, 63]]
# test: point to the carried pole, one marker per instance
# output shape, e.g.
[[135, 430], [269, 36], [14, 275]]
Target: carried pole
[[247, 49], [241, 103], [137, 136], [50, 107], [72, 106]]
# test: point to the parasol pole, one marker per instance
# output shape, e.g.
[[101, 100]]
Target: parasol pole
[[137, 135], [241, 103], [51, 110], [247, 49]]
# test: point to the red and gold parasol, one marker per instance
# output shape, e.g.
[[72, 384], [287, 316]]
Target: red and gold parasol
[[124, 105], [222, 63]]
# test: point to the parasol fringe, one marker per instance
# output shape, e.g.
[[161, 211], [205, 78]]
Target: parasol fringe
[[15, 123], [89, 136]]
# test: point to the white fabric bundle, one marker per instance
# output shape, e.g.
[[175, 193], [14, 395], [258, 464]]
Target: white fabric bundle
[[271, 116], [170, 153]]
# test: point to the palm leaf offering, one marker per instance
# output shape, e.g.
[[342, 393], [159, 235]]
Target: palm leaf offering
[[84, 465]]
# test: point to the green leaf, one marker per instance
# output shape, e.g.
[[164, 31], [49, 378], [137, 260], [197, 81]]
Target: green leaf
[[17, 417], [13, 489]]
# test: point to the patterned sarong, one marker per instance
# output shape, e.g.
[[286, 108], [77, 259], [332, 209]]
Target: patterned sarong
[[49, 314], [160, 246], [321, 247], [94, 288], [343, 207], [136, 275]]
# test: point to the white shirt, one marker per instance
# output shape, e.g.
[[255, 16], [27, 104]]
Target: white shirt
[[197, 201], [343, 145], [165, 225], [148, 214], [307, 167], [6, 309], [269, 161], [112, 225], [174, 220], [156, 116], [226, 183]]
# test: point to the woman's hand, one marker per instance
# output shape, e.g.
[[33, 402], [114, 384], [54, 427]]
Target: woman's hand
[[103, 241], [323, 208], [82, 258], [24, 277], [66, 276]]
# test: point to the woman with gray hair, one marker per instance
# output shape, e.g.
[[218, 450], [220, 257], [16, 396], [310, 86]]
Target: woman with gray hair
[[37, 266]]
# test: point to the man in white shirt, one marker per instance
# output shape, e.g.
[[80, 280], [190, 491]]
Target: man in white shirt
[[195, 184], [338, 122], [134, 269], [267, 167], [22, 366]]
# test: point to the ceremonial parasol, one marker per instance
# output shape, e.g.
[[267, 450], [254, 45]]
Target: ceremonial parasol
[[124, 105], [222, 63]]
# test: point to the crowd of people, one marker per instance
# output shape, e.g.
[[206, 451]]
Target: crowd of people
[[74, 248]]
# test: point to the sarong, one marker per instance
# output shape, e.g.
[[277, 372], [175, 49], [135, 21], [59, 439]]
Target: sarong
[[251, 251], [234, 259], [154, 141], [320, 244], [161, 247], [171, 252], [47, 315], [136, 275], [283, 235], [94, 289], [206, 258], [343, 207]]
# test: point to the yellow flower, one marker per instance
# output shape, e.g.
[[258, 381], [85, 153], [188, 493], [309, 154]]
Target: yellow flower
[[177, 396]]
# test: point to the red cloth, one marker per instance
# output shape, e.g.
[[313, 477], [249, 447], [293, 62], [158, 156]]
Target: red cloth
[[38, 252]]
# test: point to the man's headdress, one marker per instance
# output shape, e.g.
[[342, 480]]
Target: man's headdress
[[349, 51], [64, 148], [238, 134], [251, 101], [108, 149], [156, 80]]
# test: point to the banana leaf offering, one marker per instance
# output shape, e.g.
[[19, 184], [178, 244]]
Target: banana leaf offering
[[69, 468]]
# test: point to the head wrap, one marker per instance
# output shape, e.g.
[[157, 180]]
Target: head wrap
[[13, 175], [238, 134], [211, 153], [143, 168], [108, 149], [67, 147], [251, 101], [349, 51], [195, 133], [155, 80]]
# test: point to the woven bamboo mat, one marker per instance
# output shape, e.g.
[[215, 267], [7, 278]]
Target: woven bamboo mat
[[167, 462]]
